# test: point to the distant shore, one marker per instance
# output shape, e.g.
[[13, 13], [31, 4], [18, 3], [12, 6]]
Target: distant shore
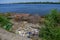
[[38, 3], [35, 3]]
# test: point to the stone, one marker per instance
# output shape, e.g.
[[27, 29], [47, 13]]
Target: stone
[[5, 35]]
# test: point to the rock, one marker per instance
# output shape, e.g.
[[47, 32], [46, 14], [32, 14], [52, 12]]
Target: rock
[[5, 35]]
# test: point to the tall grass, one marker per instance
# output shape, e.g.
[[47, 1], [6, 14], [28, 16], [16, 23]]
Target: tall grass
[[51, 29]]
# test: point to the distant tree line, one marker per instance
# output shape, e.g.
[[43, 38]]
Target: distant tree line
[[38, 3]]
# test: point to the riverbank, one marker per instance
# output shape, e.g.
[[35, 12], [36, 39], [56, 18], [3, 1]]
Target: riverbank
[[32, 27], [25, 25]]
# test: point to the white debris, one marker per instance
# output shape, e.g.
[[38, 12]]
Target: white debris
[[26, 28], [21, 33]]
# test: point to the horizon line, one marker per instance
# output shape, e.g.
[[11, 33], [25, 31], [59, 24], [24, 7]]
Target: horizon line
[[22, 2]]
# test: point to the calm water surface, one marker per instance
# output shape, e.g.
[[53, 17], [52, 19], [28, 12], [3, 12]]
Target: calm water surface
[[29, 8]]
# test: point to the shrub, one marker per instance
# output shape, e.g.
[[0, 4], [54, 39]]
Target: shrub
[[51, 29], [5, 23]]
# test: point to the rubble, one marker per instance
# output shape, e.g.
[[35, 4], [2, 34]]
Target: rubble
[[27, 29], [26, 25]]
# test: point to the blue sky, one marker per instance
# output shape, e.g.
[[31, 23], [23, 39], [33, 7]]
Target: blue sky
[[13, 1]]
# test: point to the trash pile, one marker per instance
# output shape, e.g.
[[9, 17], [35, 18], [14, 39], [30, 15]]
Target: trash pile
[[28, 30]]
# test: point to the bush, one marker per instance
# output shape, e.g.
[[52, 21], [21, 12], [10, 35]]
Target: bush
[[51, 31], [5, 23]]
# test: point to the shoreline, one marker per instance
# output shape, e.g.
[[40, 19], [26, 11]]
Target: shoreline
[[30, 3]]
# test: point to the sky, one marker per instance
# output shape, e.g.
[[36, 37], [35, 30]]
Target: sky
[[16, 1]]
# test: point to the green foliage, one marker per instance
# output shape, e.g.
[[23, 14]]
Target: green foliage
[[51, 31], [4, 23]]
